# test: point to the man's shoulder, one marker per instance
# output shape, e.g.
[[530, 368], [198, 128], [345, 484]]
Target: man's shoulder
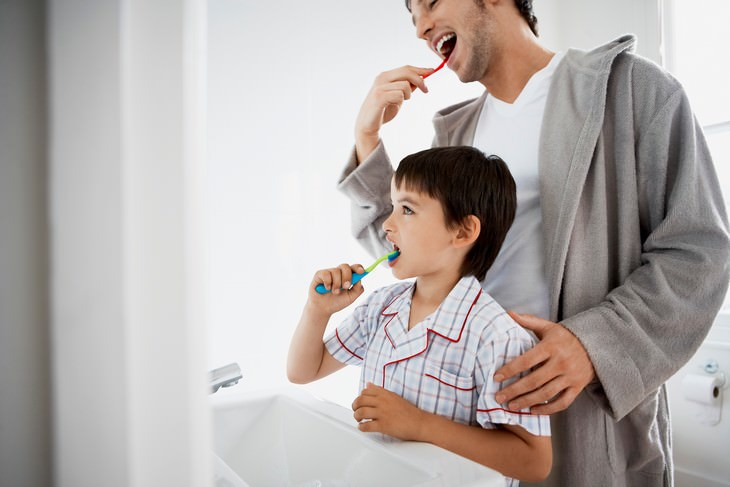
[[599, 58], [454, 123], [466, 105]]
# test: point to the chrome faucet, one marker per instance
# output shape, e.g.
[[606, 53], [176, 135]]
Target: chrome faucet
[[225, 376]]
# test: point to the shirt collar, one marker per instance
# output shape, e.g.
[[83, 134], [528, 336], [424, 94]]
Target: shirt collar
[[450, 317]]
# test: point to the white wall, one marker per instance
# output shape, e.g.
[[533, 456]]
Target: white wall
[[285, 83], [125, 101], [584, 24]]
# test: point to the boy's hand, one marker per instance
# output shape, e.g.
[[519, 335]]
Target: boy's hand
[[379, 410], [337, 280]]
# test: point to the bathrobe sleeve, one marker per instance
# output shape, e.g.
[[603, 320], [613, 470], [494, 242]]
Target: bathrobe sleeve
[[646, 268], [368, 187]]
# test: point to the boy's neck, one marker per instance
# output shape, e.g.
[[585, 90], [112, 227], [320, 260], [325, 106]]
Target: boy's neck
[[428, 296]]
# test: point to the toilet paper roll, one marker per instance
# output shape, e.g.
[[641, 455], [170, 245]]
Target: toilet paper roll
[[704, 389]]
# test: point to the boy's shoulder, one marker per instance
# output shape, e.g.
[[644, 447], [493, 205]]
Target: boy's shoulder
[[491, 319], [385, 296]]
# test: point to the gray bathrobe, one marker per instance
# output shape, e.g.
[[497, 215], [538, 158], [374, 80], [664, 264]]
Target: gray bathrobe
[[636, 246]]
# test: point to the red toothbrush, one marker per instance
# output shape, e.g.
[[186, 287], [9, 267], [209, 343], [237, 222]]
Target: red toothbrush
[[443, 63]]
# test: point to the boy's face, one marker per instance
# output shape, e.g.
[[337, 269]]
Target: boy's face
[[417, 227]]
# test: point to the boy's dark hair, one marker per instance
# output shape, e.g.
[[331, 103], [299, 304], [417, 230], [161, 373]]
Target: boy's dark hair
[[466, 182], [524, 6]]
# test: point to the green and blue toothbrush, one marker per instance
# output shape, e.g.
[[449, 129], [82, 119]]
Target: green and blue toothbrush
[[357, 275]]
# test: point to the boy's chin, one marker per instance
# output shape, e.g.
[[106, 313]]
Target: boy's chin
[[400, 275]]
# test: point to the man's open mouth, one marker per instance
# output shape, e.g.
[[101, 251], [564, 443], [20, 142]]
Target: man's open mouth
[[446, 44]]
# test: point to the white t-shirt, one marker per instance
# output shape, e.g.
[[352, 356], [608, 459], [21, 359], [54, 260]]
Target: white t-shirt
[[512, 131]]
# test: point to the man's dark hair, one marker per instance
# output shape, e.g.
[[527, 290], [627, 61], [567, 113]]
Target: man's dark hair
[[466, 182], [524, 6]]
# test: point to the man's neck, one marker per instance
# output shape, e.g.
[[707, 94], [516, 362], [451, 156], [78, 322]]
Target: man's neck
[[511, 69]]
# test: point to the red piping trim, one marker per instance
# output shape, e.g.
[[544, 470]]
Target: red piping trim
[[404, 359], [463, 325], [337, 334], [385, 328], [506, 411], [450, 385], [392, 315], [390, 303], [427, 336]]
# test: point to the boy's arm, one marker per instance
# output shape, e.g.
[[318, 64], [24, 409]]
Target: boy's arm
[[511, 450], [308, 359]]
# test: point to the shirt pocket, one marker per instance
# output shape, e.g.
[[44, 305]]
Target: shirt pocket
[[448, 394]]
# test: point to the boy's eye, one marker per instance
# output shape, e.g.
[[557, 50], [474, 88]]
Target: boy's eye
[[432, 3], [407, 211]]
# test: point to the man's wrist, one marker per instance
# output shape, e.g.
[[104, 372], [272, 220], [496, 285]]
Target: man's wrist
[[365, 145]]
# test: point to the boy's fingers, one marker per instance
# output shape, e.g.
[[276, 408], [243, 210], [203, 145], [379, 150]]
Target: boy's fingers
[[324, 278]]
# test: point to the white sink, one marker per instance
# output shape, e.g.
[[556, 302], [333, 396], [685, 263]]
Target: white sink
[[290, 438]]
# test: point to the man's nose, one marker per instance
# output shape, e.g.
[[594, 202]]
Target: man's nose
[[423, 24]]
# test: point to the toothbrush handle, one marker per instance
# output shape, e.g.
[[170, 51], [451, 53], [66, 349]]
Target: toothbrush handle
[[355, 279]]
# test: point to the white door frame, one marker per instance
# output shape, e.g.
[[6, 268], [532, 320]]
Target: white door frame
[[126, 128]]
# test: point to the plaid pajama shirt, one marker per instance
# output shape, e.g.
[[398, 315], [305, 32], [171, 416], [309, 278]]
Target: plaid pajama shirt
[[445, 364]]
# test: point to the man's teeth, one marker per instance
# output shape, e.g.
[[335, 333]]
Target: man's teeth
[[441, 41]]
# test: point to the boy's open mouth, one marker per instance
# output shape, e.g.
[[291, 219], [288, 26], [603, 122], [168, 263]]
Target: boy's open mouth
[[391, 261]]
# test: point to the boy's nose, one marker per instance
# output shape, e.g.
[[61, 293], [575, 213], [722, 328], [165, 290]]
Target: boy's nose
[[387, 224]]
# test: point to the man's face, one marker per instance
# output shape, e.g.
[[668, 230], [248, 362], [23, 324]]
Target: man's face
[[461, 30]]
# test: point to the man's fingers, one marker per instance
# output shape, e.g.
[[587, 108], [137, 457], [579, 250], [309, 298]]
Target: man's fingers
[[411, 74], [532, 358], [536, 396], [525, 385], [557, 404], [533, 323]]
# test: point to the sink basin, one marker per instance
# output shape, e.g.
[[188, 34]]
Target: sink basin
[[290, 438]]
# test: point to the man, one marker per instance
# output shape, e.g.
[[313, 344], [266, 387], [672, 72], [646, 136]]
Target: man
[[618, 257]]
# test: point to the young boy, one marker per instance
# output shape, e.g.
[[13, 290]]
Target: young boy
[[429, 348]]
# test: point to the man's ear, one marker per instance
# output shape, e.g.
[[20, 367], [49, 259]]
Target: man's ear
[[468, 231]]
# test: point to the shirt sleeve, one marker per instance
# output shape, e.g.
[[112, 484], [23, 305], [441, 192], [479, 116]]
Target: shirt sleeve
[[348, 343], [493, 355]]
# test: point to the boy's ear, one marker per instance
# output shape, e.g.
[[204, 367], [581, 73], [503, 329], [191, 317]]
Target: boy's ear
[[468, 231]]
